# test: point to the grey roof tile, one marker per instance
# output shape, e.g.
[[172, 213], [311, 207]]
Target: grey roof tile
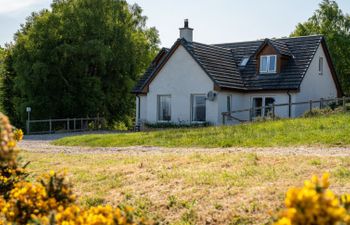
[[221, 63]]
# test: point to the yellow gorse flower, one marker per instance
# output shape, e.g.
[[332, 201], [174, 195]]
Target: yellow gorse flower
[[50, 199], [314, 204]]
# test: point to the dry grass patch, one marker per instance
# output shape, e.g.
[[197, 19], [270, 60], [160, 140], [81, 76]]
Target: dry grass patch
[[192, 188]]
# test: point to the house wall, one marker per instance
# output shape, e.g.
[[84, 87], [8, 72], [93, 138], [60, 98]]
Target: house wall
[[181, 77], [244, 101], [142, 107], [315, 86]]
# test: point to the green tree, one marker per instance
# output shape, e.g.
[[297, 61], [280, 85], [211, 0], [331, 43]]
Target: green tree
[[8, 91], [81, 59], [330, 21]]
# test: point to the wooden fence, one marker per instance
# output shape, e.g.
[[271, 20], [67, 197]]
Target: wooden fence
[[50, 126], [272, 109]]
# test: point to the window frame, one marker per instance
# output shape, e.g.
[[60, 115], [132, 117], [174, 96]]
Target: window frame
[[229, 103], [320, 65], [264, 111], [267, 71], [193, 101], [159, 109]]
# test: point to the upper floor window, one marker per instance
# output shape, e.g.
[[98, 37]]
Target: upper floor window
[[320, 66], [268, 63]]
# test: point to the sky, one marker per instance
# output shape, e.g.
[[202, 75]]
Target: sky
[[214, 21]]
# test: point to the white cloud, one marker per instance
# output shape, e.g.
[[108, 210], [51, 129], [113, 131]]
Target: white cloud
[[10, 6]]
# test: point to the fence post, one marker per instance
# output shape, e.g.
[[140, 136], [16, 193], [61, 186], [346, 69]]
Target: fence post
[[81, 124], [67, 124], [223, 119], [344, 104], [273, 111], [321, 103], [310, 105], [250, 114], [50, 126], [74, 124]]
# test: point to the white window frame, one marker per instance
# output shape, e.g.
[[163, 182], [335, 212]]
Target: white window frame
[[268, 57], [320, 66], [158, 108], [263, 111], [193, 99]]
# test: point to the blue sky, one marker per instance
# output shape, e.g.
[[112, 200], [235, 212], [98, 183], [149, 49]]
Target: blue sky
[[214, 21]]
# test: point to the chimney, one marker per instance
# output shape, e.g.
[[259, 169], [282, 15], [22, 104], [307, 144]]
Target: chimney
[[186, 32]]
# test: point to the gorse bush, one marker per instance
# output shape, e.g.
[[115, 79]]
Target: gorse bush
[[10, 171], [315, 204], [48, 200]]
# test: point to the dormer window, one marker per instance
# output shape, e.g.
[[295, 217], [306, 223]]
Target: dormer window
[[268, 63]]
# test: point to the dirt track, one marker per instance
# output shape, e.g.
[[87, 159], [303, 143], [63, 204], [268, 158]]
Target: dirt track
[[42, 143]]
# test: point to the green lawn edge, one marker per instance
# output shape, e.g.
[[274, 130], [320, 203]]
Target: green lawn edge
[[331, 130]]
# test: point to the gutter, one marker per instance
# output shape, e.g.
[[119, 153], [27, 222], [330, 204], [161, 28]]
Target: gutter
[[290, 104]]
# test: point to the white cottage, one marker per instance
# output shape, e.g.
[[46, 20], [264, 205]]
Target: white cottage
[[193, 82]]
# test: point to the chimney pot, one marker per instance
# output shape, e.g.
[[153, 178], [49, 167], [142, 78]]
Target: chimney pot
[[186, 23], [186, 32]]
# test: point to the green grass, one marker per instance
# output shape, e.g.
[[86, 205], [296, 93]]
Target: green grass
[[182, 187], [333, 130]]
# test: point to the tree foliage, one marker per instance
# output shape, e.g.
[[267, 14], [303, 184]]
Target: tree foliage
[[330, 21], [81, 58]]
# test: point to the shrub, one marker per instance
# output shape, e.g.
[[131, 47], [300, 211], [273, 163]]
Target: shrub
[[50, 199], [175, 125], [322, 112], [315, 204]]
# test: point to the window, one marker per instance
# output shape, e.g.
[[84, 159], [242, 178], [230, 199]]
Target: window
[[268, 63], [198, 108], [268, 104], [259, 102], [164, 107], [320, 66], [228, 103], [244, 61]]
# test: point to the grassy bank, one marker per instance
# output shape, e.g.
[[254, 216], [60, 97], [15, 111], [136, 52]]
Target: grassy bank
[[331, 130], [191, 188]]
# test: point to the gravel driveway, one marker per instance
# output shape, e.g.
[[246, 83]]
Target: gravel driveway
[[42, 144]]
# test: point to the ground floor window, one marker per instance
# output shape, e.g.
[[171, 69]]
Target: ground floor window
[[198, 108], [259, 102], [164, 107], [229, 103]]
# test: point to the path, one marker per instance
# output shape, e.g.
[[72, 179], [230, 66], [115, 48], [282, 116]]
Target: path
[[42, 144]]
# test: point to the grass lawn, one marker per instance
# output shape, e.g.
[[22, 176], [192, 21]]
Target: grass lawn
[[331, 130], [196, 188]]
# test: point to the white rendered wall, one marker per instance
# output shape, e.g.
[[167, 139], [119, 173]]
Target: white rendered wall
[[245, 101], [181, 77], [315, 86]]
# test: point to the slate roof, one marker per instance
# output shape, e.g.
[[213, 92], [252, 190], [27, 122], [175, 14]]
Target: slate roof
[[148, 74], [222, 63]]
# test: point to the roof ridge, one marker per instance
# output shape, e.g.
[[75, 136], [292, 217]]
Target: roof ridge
[[214, 46], [273, 39]]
